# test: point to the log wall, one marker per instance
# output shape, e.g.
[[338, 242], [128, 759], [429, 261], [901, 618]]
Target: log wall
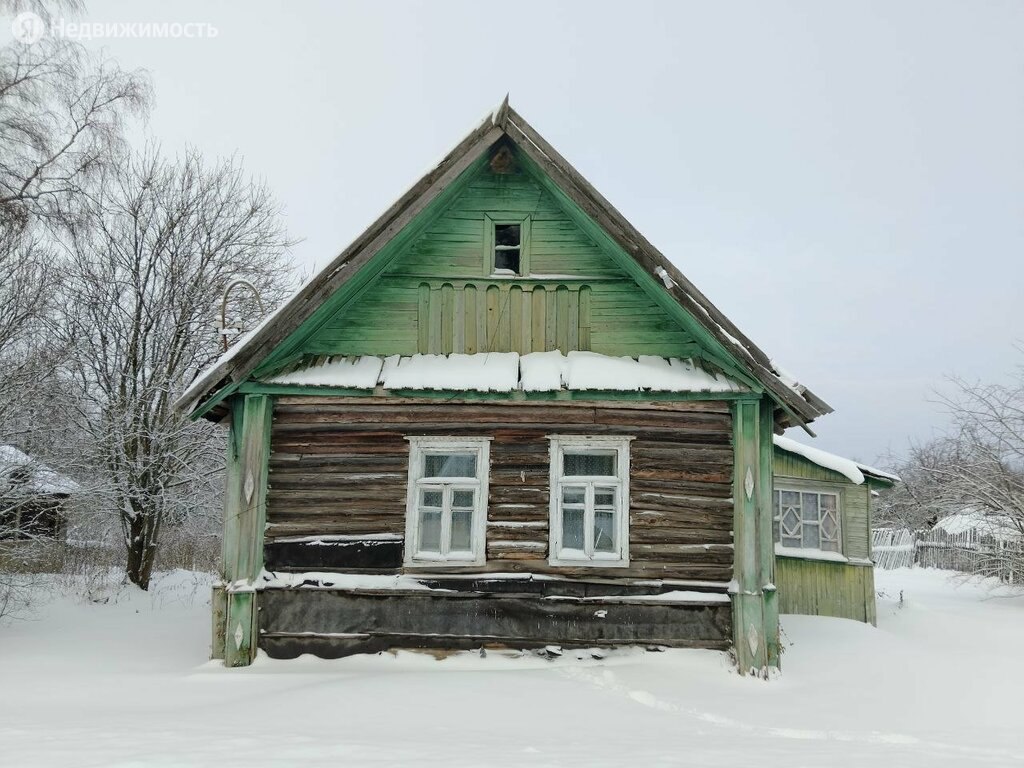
[[339, 467]]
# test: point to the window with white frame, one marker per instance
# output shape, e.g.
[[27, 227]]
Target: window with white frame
[[446, 506], [807, 519], [589, 501]]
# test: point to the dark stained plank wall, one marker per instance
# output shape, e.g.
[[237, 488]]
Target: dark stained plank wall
[[338, 466]]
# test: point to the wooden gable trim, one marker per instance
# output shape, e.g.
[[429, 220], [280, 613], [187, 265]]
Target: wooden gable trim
[[225, 377]]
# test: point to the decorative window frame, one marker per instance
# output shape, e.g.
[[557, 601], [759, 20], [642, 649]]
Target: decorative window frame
[[419, 446], [524, 244], [819, 490], [557, 445]]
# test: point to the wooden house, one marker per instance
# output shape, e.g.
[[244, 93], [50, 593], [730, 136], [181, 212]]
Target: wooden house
[[500, 416], [821, 508], [33, 498]]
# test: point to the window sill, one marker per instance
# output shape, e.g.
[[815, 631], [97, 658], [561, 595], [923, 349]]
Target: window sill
[[441, 563], [563, 562], [810, 554]]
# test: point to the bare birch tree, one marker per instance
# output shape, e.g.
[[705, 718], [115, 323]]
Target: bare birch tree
[[159, 242], [62, 113]]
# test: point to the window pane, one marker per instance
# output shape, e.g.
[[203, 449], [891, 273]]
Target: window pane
[[598, 463], [829, 529], [507, 259], [604, 531], [462, 530], [507, 234], [604, 497], [573, 494], [790, 499], [462, 499], [810, 537], [790, 523], [430, 530], [828, 501], [572, 529], [449, 465], [830, 546], [430, 499], [789, 541], [810, 507]]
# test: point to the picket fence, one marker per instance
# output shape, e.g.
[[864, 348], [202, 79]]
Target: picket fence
[[969, 551]]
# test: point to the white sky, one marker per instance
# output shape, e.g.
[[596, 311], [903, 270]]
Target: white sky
[[844, 180]]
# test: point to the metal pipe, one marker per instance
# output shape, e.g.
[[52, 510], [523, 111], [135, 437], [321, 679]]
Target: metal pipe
[[224, 305]]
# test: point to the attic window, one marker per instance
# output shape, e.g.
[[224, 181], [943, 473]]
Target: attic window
[[507, 247]]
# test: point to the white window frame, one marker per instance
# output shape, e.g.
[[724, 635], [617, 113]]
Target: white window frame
[[777, 492], [584, 443], [419, 447]]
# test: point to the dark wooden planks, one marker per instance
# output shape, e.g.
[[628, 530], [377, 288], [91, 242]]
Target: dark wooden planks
[[333, 623]]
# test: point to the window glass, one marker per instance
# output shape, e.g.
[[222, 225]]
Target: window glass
[[507, 245], [507, 235], [589, 464], [462, 530], [604, 530], [430, 530], [573, 531], [449, 465]]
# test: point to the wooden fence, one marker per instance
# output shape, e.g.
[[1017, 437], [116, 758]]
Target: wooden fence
[[969, 551]]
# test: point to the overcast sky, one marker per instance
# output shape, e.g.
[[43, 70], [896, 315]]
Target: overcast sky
[[844, 180]]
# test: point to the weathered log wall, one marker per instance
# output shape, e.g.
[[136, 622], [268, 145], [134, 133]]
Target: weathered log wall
[[338, 466]]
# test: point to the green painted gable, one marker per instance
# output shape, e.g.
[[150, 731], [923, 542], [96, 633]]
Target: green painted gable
[[438, 293], [854, 500]]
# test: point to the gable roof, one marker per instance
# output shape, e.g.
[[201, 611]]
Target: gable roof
[[799, 405]]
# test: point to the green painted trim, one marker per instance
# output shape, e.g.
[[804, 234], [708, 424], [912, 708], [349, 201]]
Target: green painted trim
[[765, 530], [518, 395], [750, 630], [245, 517]]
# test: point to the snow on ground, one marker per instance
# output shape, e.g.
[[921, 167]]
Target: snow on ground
[[940, 682]]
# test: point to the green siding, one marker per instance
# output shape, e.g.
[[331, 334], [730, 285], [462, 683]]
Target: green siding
[[821, 588], [854, 501], [437, 295]]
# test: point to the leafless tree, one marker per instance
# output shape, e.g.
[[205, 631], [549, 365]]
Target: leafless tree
[[976, 468], [157, 243], [62, 112]]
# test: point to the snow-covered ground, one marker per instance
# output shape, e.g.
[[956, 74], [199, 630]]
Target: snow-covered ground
[[940, 682]]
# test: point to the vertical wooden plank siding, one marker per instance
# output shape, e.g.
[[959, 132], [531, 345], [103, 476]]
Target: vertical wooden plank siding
[[749, 626], [245, 522], [822, 588]]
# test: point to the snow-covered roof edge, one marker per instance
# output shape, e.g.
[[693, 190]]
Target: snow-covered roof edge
[[800, 406], [853, 471], [43, 480]]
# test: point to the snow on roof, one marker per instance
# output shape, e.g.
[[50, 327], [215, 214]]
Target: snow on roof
[[852, 470], [509, 371], [39, 479]]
